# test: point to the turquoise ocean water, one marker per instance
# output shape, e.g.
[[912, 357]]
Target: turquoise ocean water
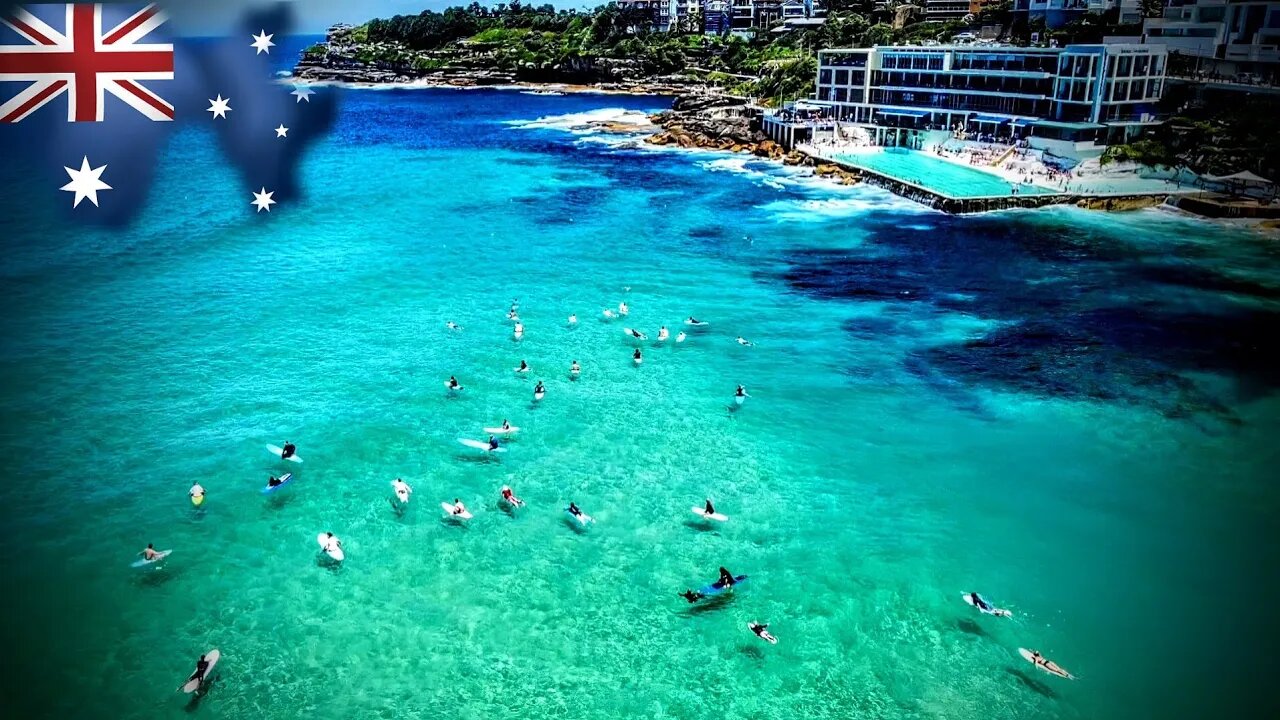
[[1072, 413]]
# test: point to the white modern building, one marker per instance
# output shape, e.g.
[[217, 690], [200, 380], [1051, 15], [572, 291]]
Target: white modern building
[[1057, 13], [1227, 38], [1083, 95]]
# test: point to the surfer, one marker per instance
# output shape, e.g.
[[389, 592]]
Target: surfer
[[493, 443], [693, 321], [740, 392], [510, 496], [692, 596], [575, 368], [637, 335], [709, 509], [274, 481], [636, 355], [519, 328], [762, 631], [663, 333], [453, 383], [574, 510], [453, 325], [149, 553], [538, 389], [977, 601], [1048, 664], [202, 667], [401, 486], [573, 319], [458, 507], [744, 342], [680, 337], [288, 450], [524, 367], [196, 491], [623, 309], [505, 425], [726, 579]]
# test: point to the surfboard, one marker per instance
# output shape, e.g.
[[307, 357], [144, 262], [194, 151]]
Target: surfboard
[[402, 491], [710, 516], [446, 384], [284, 479], [771, 639], [192, 684], [449, 510], [739, 399], [502, 431], [696, 323], [716, 588], [143, 562], [1026, 655], [277, 451], [333, 550], [523, 369], [637, 360], [582, 517], [197, 500], [480, 445], [680, 338], [633, 334], [538, 395]]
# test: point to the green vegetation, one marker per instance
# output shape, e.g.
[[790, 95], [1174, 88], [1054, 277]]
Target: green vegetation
[[1216, 139], [610, 42]]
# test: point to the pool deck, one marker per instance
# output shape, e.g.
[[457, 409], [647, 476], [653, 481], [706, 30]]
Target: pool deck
[[967, 205]]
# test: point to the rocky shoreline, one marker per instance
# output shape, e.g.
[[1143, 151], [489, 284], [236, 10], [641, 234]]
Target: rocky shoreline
[[716, 121]]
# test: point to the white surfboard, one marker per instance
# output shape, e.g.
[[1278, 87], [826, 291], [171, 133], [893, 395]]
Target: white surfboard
[[446, 384], [609, 314], [480, 445], [581, 517], [681, 337], [637, 360], [538, 395], [402, 491], [278, 451], [1026, 655], [330, 546], [449, 509], [710, 516], [771, 639], [635, 334], [192, 684], [502, 431], [524, 369], [160, 556], [739, 399], [573, 319]]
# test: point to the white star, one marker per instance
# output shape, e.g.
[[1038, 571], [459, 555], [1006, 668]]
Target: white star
[[263, 200], [85, 182], [220, 107], [302, 92], [282, 131], [261, 42]]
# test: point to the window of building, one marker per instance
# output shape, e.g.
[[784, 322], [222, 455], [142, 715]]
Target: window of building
[[1140, 65], [824, 77], [1124, 66], [842, 77], [842, 94]]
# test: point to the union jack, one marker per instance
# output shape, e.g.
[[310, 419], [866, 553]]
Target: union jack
[[85, 62]]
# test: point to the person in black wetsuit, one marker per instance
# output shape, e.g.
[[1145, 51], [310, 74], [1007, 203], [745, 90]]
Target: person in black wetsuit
[[202, 666], [493, 443], [726, 579], [574, 511], [978, 602], [288, 450], [692, 596], [273, 481], [709, 509]]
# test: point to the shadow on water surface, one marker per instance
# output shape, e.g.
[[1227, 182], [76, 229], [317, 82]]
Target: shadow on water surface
[[967, 625], [1032, 683], [1072, 311]]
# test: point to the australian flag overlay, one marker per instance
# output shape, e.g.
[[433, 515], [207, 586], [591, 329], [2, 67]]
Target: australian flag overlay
[[108, 82]]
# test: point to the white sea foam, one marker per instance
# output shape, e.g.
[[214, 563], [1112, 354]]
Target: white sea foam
[[590, 122]]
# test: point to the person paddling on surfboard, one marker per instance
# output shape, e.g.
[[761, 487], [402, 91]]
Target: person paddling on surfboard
[[453, 325], [740, 392], [453, 383], [196, 491], [744, 342], [636, 355], [149, 553], [979, 602], [574, 510], [538, 389], [493, 443], [762, 631], [401, 485], [510, 496], [1047, 664], [524, 367], [287, 450], [692, 596], [458, 507], [505, 425], [573, 319], [273, 481], [710, 509]]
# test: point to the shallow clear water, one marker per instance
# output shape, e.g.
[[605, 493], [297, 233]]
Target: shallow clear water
[[948, 178], [1072, 413]]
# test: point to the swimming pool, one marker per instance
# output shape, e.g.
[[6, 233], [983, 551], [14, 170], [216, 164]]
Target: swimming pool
[[947, 178]]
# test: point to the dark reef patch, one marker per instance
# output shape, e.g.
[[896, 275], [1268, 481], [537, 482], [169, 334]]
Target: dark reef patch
[[1081, 313]]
